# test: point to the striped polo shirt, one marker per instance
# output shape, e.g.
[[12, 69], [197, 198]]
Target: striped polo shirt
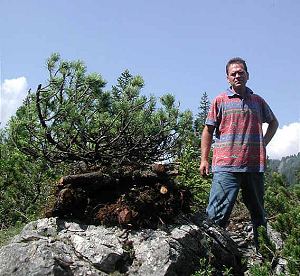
[[239, 145]]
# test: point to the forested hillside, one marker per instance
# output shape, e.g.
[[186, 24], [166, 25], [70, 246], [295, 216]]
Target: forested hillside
[[288, 166]]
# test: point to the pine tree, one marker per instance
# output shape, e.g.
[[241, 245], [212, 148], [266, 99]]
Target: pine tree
[[202, 114], [72, 118]]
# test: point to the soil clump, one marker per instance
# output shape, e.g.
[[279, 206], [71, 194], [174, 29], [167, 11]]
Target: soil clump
[[129, 197]]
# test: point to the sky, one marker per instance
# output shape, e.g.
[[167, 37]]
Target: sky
[[178, 47]]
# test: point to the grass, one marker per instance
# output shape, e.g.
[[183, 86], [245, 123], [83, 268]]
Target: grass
[[7, 234]]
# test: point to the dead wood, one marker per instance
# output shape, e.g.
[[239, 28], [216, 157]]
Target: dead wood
[[98, 178], [157, 172]]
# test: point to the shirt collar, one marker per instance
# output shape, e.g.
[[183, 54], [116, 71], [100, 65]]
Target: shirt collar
[[232, 94]]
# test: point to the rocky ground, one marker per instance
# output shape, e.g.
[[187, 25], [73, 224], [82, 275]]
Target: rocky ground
[[137, 199], [240, 230]]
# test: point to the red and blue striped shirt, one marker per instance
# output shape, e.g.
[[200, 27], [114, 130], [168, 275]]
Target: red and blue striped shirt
[[239, 145]]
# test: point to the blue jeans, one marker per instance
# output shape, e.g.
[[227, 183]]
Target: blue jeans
[[223, 194]]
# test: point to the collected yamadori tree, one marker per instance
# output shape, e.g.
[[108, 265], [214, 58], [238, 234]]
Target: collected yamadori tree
[[72, 118]]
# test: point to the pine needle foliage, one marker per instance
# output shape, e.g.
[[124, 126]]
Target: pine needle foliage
[[283, 205], [72, 118]]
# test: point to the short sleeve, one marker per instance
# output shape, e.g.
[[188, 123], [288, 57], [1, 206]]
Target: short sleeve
[[213, 113], [267, 113]]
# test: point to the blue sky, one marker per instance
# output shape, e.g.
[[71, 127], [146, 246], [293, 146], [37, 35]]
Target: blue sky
[[179, 47]]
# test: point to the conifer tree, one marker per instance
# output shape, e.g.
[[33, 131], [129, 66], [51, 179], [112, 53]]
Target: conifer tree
[[72, 118], [202, 114]]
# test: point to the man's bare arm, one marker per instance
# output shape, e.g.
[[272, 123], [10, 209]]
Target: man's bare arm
[[271, 130], [206, 141]]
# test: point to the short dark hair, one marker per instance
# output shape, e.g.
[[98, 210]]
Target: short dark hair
[[236, 60]]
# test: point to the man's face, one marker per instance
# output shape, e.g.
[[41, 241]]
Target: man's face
[[237, 76]]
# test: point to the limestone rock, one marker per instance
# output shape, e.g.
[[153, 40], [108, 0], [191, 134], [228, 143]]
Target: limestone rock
[[56, 247]]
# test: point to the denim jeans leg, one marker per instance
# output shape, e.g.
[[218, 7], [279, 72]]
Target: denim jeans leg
[[253, 197], [223, 194]]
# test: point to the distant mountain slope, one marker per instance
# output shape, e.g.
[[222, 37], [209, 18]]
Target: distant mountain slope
[[287, 166]]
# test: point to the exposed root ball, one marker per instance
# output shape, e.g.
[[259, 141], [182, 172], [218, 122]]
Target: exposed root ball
[[146, 207], [135, 198]]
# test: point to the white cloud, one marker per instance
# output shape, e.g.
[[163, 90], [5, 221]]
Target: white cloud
[[13, 92], [285, 142]]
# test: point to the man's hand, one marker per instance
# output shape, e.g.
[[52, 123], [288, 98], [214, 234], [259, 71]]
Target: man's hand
[[204, 168]]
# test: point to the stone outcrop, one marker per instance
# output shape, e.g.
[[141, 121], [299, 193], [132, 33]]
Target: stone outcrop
[[53, 246]]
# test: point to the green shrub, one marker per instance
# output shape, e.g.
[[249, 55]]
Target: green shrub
[[189, 175], [283, 207]]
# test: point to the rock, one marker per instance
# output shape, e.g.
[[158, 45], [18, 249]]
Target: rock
[[224, 250], [275, 237], [281, 267], [244, 240], [56, 247]]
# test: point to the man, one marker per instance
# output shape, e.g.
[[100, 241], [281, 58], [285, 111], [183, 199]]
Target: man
[[239, 153]]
